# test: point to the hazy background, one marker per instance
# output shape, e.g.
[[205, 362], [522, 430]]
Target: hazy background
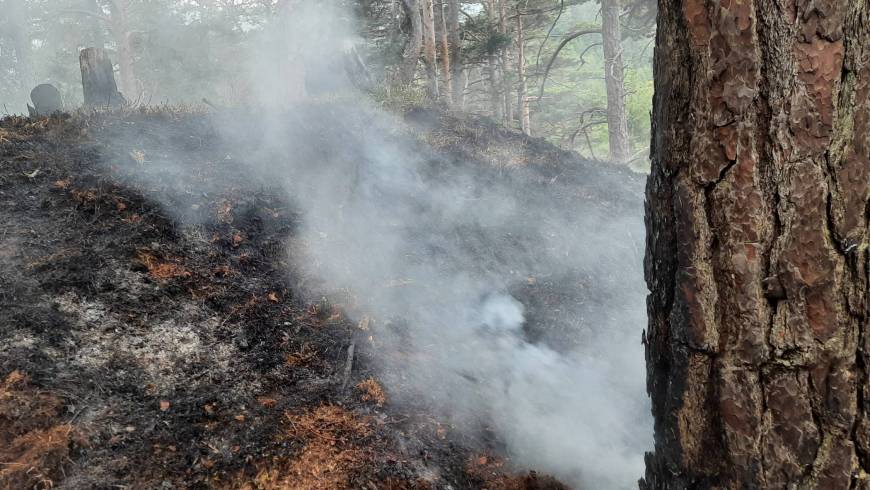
[[180, 51]]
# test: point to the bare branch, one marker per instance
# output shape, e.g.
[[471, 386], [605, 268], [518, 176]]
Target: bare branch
[[547, 37], [568, 39]]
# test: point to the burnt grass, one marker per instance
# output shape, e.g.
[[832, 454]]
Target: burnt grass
[[169, 321]]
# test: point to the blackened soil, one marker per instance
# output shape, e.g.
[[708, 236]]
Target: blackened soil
[[175, 334]]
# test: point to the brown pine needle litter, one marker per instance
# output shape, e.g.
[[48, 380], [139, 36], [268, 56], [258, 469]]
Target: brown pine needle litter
[[371, 391], [34, 444], [335, 447]]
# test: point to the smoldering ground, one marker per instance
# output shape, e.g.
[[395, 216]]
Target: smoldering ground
[[505, 296]]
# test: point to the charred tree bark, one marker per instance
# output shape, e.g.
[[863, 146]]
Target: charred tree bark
[[429, 58], [614, 79], [757, 247], [98, 79], [46, 101], [411, 56]]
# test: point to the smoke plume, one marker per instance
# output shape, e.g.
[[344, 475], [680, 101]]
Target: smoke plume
[[441, 254]]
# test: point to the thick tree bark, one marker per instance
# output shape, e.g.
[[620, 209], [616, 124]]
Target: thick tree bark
[[411, 56], [429, 59], [757, 247], [454, 42], [614, 79]]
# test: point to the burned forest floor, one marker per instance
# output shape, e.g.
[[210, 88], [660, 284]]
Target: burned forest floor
[[154, 333]]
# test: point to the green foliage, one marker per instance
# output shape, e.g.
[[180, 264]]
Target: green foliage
[[483, 39]]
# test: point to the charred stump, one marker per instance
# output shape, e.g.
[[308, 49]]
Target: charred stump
[[46, 100], [98, 79]]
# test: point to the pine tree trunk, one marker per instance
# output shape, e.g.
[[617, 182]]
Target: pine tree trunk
[[454, 42], [506, 100], [18, 32], [121, 31], [95, 25], [411, 56], [444, 52], [522, 89], [495, 97], [757, 248], [459, 97], [614, 79], [429, 59], [495, 88]]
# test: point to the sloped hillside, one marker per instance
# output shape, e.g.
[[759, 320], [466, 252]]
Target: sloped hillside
[[156, 331]]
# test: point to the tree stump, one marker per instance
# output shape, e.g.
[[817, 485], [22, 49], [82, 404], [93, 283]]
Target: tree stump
[[46, 100], [98, 79]]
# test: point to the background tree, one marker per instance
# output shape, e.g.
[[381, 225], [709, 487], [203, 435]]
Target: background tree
[[614, 81], [429, 50], [17, 27], [411, 55], [757, 257], [454, 43], [175, 52]]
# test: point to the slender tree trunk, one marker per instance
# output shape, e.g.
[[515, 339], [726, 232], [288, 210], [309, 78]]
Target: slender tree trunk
[[495, 98], [411, 56], [120, 23], [95, 25], [503, 64], [614, 78], [18, 23], [758, 256], [460, 98], [444, 52], [429, 58], [522, 98], [454, 43], [495, 88]]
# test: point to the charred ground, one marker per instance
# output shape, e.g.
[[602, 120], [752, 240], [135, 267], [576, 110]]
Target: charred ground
[[158, 335]]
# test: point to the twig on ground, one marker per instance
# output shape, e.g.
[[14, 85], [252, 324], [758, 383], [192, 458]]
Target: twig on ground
[[348, 366]]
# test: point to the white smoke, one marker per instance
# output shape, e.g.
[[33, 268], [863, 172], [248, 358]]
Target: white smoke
[[405, 244], [437, 252]]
